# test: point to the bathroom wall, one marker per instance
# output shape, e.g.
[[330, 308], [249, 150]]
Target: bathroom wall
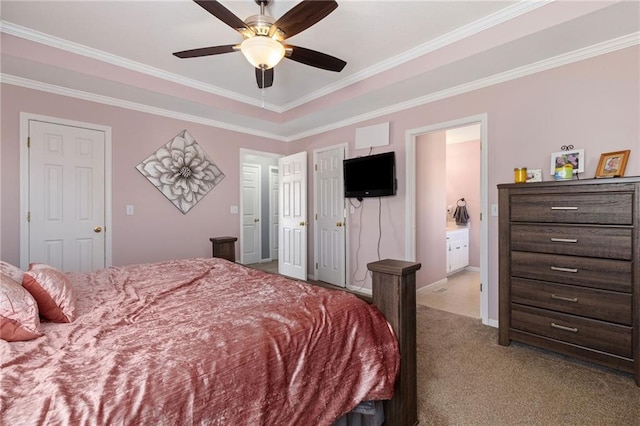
[[463, 181], [431, 197]]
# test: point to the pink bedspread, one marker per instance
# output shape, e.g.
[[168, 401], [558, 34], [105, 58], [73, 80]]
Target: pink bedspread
[[199, 341]]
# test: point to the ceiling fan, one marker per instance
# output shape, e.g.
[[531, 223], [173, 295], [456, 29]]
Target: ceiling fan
[[263, 45]]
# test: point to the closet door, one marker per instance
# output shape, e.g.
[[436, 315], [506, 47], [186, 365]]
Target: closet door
[[292, 256], [66, 196]]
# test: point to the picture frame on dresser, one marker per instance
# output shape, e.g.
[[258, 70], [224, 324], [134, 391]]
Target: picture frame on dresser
[[534, 175], [612, 164], [574, 157]]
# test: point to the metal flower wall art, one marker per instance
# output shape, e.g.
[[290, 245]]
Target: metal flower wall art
[[182, 171]]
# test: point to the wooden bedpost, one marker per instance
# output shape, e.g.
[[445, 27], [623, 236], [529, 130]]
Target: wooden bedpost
[[394, 294]]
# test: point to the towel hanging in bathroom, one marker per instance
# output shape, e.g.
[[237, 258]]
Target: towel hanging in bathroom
[[461, 215]]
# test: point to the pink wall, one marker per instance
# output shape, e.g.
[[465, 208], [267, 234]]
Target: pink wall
[[463, 181], [157, 230], [593, 104]]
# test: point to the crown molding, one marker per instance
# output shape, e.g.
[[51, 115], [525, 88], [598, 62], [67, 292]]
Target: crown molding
[[89, 52], [609, 46], [497, 18], [106, 100]]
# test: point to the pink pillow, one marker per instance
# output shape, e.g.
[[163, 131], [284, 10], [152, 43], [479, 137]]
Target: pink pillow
[[19, 318], [40, 266], [54, 293], [13, 271]]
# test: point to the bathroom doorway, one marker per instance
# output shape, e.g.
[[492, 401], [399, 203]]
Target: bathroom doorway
[[430, 206]]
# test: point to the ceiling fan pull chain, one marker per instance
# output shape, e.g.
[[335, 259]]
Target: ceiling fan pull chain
[[262, 88]]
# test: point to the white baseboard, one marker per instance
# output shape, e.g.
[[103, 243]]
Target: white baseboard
[[492, 323], [428, 286]]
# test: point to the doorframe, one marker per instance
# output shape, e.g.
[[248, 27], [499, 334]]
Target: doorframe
[[25, 118], [316, 242], [411, 136], [273, 236], [244, 152], [259, 213]]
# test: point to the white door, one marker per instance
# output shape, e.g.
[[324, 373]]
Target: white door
[[330, 217], [292, 256], [274, 212], [251, 240], [66, 196]]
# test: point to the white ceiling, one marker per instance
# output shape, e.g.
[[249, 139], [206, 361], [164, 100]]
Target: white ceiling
[[398, 53]]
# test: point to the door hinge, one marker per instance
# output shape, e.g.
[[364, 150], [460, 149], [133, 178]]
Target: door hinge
[[480, 287], [316, 216], [28, 141], [315, 167], [480, 216], [28, 216], [316, 265]]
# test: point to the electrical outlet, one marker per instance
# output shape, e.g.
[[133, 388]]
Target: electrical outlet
[[494, 210], [130, 210]]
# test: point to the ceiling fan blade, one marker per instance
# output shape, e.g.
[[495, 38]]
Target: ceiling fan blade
[[315, 59], [302, 16], [206, 51], [264, 77], [224, 14]]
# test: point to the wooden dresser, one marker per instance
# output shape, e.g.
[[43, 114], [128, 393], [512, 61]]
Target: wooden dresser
[[569, 267]]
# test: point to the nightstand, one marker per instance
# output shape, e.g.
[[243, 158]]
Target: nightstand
[[224, 247]]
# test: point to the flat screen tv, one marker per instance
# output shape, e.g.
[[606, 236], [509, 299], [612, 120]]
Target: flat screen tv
[[370, 176]]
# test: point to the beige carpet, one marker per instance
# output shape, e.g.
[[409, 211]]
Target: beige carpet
[[466, 378]]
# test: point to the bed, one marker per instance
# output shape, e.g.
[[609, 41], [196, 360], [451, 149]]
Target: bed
[[204, 341]]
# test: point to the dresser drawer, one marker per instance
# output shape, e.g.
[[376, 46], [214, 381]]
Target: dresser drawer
[[600, 208], [606, 274], [604, 242], [599, 335], [587, 302]]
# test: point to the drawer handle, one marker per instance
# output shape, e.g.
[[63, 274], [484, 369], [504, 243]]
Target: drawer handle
[[557, 268], [563, 208], [564, 328], [564, 240], [566, 299]]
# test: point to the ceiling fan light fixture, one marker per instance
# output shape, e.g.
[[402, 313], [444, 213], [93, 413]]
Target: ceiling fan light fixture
[[262, 51]]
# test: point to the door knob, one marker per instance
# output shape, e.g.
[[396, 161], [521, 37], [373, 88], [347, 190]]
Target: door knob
[[97, 229], [339, 224], [303, 223], [256, 220]]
